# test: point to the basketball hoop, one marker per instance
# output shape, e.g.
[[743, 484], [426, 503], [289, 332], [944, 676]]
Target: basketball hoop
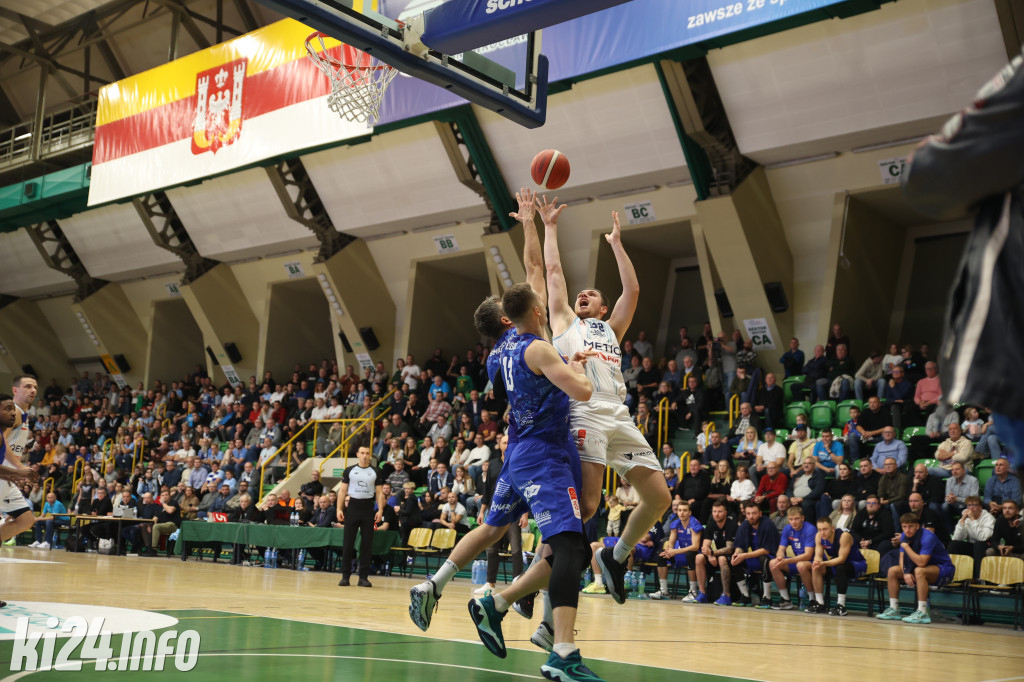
[[358, 80]]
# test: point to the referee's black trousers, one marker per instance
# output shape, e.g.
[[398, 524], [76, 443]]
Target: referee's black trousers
[[358, 517]]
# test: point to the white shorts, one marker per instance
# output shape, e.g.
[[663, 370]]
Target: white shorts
[[11, 499], [605, 434]]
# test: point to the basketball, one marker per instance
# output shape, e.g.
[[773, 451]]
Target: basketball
[[550, 169]]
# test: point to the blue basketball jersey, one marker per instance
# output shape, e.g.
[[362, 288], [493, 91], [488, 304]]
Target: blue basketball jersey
[[800, 540], [538, 409], [494, 372], [684, 535], [3, 450], [832, 548]]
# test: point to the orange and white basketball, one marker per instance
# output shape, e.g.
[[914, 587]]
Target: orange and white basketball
[[550, 169]]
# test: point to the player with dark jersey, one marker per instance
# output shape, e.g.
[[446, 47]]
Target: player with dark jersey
[[718, 545], [757, 540], [544, 474], [834, 550]]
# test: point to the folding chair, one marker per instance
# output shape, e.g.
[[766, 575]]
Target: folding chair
[[440, 546], [1001, 575], [419, 544]]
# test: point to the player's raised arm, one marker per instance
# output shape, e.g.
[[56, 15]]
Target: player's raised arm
[[533, 259], [543, 358], [560, 313], [622, 313]]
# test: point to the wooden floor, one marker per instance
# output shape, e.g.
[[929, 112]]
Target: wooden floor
[[728, 642]]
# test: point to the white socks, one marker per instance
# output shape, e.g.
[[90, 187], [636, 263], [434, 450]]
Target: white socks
[[499, 603], [819, 597], [784, 593], [744, 588], [922, 606], [598, 579], [444, 574], [663, 584], [621, 551], [894, 604], [841, 600], [545, 601], [564, 649]]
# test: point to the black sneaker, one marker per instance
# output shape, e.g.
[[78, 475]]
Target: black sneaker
[[524, 606], [815, 607], [839, 610], [343, 582], [784, 605], [363, 582], [614, 574]]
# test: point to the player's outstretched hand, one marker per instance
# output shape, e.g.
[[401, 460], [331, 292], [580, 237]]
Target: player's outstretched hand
[[526, 198], [581, 356], [616, 235], [549, 211], [19, 476]]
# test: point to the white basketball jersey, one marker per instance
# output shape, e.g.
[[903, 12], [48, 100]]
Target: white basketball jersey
[[604, 369], [21, 437]]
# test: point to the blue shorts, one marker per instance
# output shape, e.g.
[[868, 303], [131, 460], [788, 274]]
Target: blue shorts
[[506, 506], [642, 554], [946, 572], [545, 476]]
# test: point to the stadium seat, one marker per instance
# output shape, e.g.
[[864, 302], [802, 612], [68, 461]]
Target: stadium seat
[[843, 410], [789, 386], [912, 431], [983, 471], [823, 414], [793, 409], [1002, 575], [781, 434], [529, 542]]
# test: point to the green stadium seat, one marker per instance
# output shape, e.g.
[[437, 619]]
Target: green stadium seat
[[912, 431], [983, 471], [795, 408], [930, 463], [781, 434], [789, 386], [843, 410], [823, 414]]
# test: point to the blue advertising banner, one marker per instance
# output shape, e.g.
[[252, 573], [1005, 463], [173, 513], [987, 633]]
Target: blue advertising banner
[[617, 35]]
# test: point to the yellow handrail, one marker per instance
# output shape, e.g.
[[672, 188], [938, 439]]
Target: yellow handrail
[[107, 455], [138, 453], [707, 433], [52, 483], [372, 407], [357, 424], [734, 408], [684, 462], [663, 415], [76, 474]]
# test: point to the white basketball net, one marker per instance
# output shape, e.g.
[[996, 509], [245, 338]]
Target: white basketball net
[[358, 80]]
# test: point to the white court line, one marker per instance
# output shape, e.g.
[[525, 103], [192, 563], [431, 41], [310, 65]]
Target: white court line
[[72, 664]]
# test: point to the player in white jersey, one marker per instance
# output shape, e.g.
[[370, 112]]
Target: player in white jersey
[[13, 473], [16, 438], [604, 433]]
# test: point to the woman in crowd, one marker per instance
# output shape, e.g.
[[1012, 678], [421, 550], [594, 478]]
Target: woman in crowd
[[843, 516], [742, 489], [721, 487]]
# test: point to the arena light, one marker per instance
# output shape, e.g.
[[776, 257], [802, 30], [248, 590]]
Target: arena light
[[627, 192], [805, 159], [885, 145]]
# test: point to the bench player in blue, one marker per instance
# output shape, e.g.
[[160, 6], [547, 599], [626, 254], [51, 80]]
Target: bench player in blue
[[542, 473], [923, 562], [490, 322], [835, 550], [685, 539], [799, 535]]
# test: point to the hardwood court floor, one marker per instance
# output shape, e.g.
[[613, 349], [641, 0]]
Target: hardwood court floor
[[268, 624]]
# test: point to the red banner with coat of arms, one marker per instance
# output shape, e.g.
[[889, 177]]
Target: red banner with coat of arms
[[229, 106]]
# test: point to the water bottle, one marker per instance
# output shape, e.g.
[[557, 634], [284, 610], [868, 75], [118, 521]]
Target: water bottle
[[588, 576], [630, 584], [803, 598], [273, 557], [266, 558], [302, 560], [642, 587], [476, 578], [295, 518]]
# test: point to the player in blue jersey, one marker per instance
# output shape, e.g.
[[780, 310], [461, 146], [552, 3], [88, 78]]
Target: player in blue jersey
[[923, 562], [757, 540], [685, 542], [800, 536], [544, 472], [835, 550], [490, 322]]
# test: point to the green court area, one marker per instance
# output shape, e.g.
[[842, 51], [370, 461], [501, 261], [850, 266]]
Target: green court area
[[258, 648]]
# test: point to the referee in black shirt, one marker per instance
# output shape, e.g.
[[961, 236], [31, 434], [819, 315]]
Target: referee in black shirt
[[360, 483]]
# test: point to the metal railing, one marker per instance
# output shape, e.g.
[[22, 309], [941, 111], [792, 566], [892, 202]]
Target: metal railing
[[64, 129], [734, 409], [138, 453], [664, 406], [48, 485], [76, 474]]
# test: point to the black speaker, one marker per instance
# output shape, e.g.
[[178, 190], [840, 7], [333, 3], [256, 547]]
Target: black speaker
[[776, 294], [344, 342], [724, 308], [28, 369], [232, 351], [122, 364], [213, 356], [369, 338]]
